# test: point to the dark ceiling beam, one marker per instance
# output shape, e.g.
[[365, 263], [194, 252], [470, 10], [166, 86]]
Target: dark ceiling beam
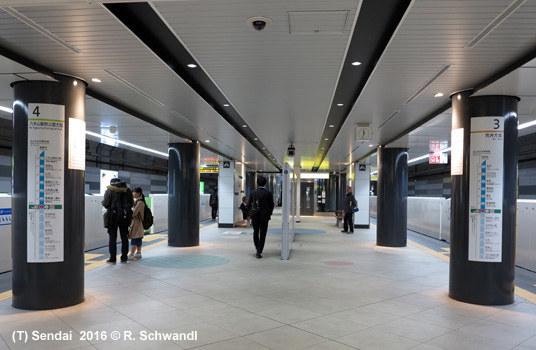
[[142, 20], [375, 25]]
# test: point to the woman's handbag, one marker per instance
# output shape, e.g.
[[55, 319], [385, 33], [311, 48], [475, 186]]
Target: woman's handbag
[[109, 218]]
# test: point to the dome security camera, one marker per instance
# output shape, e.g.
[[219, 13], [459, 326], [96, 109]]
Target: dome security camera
[[259, 23]]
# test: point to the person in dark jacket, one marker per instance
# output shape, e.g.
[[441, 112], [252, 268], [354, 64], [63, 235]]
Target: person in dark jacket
[[244, 207], [265, 200], [118, 202], [213, 202], [349, 205]]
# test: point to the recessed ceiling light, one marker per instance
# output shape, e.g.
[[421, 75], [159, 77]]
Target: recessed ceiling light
[[244, 126], [356, 63], [322, 148], [340, 104], [207, 140], [225, 105], [326, 139], [191, 65], [331, 125], [255, 139], [269, 154], [264, 148], [96, 80], [371, 145], [439, 94]]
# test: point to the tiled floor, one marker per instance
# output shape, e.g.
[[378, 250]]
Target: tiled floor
[[336, 292]]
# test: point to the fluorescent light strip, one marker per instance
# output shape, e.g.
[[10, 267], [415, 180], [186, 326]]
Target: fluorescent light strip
[[526, 125], [94, 134], [418, 158], [5, 109], [40, 29]]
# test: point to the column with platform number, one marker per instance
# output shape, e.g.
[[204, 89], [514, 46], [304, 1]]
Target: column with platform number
[[484, 194], [48, 193]]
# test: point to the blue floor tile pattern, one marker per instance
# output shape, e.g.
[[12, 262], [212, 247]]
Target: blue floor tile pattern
[[184, 261], [299, 231]]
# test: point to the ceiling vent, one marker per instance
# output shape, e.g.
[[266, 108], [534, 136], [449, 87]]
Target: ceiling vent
[[388, 119], [495, 23], [428, 83], [317, 22], [132, 86], [40, 29], [184, 119]]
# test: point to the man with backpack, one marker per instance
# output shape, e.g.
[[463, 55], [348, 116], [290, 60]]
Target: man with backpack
[[118, 202]]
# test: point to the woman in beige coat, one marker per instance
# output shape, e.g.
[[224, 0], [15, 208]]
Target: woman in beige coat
[[136, 230]]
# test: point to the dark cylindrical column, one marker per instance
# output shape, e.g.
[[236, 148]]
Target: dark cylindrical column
[[251, 182], [484, 193], [392, 223], [183, 192], [48, 193]]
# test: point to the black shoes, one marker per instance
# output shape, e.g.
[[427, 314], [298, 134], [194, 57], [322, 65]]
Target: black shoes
[[351, 232], [258, 255], [344, 231], [110, 261], [123, 261]]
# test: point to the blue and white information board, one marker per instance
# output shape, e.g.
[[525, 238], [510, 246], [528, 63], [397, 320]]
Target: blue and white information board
[[486, 189], [5, 216], [46, 140]]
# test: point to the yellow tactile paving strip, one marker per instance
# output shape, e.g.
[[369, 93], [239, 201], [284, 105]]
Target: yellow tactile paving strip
[[96, 260]]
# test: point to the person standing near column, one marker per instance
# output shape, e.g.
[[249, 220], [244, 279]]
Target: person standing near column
[[349, 205], [261, 204], [213, 202], [118, 202], [136, 227]]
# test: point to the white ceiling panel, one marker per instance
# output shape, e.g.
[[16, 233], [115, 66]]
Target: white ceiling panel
[[282, 84]]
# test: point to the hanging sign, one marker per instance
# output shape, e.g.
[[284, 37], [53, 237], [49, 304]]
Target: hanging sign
[[46, 140], [486, 189]]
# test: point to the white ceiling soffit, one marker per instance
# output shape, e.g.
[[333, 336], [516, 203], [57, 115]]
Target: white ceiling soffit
[[107, 44], [317, 22], [434, 34], [280, 83]]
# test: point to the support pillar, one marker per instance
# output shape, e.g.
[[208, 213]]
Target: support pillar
[[227, 206], [48, 193], [392, 197], [251, 179], [183, 194], [484, 193], [362, 195]]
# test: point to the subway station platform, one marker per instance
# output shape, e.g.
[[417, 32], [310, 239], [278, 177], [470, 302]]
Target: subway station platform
[[338, 291]]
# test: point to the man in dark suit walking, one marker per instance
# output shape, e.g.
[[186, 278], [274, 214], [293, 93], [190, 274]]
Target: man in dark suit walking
[[265, 201]]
